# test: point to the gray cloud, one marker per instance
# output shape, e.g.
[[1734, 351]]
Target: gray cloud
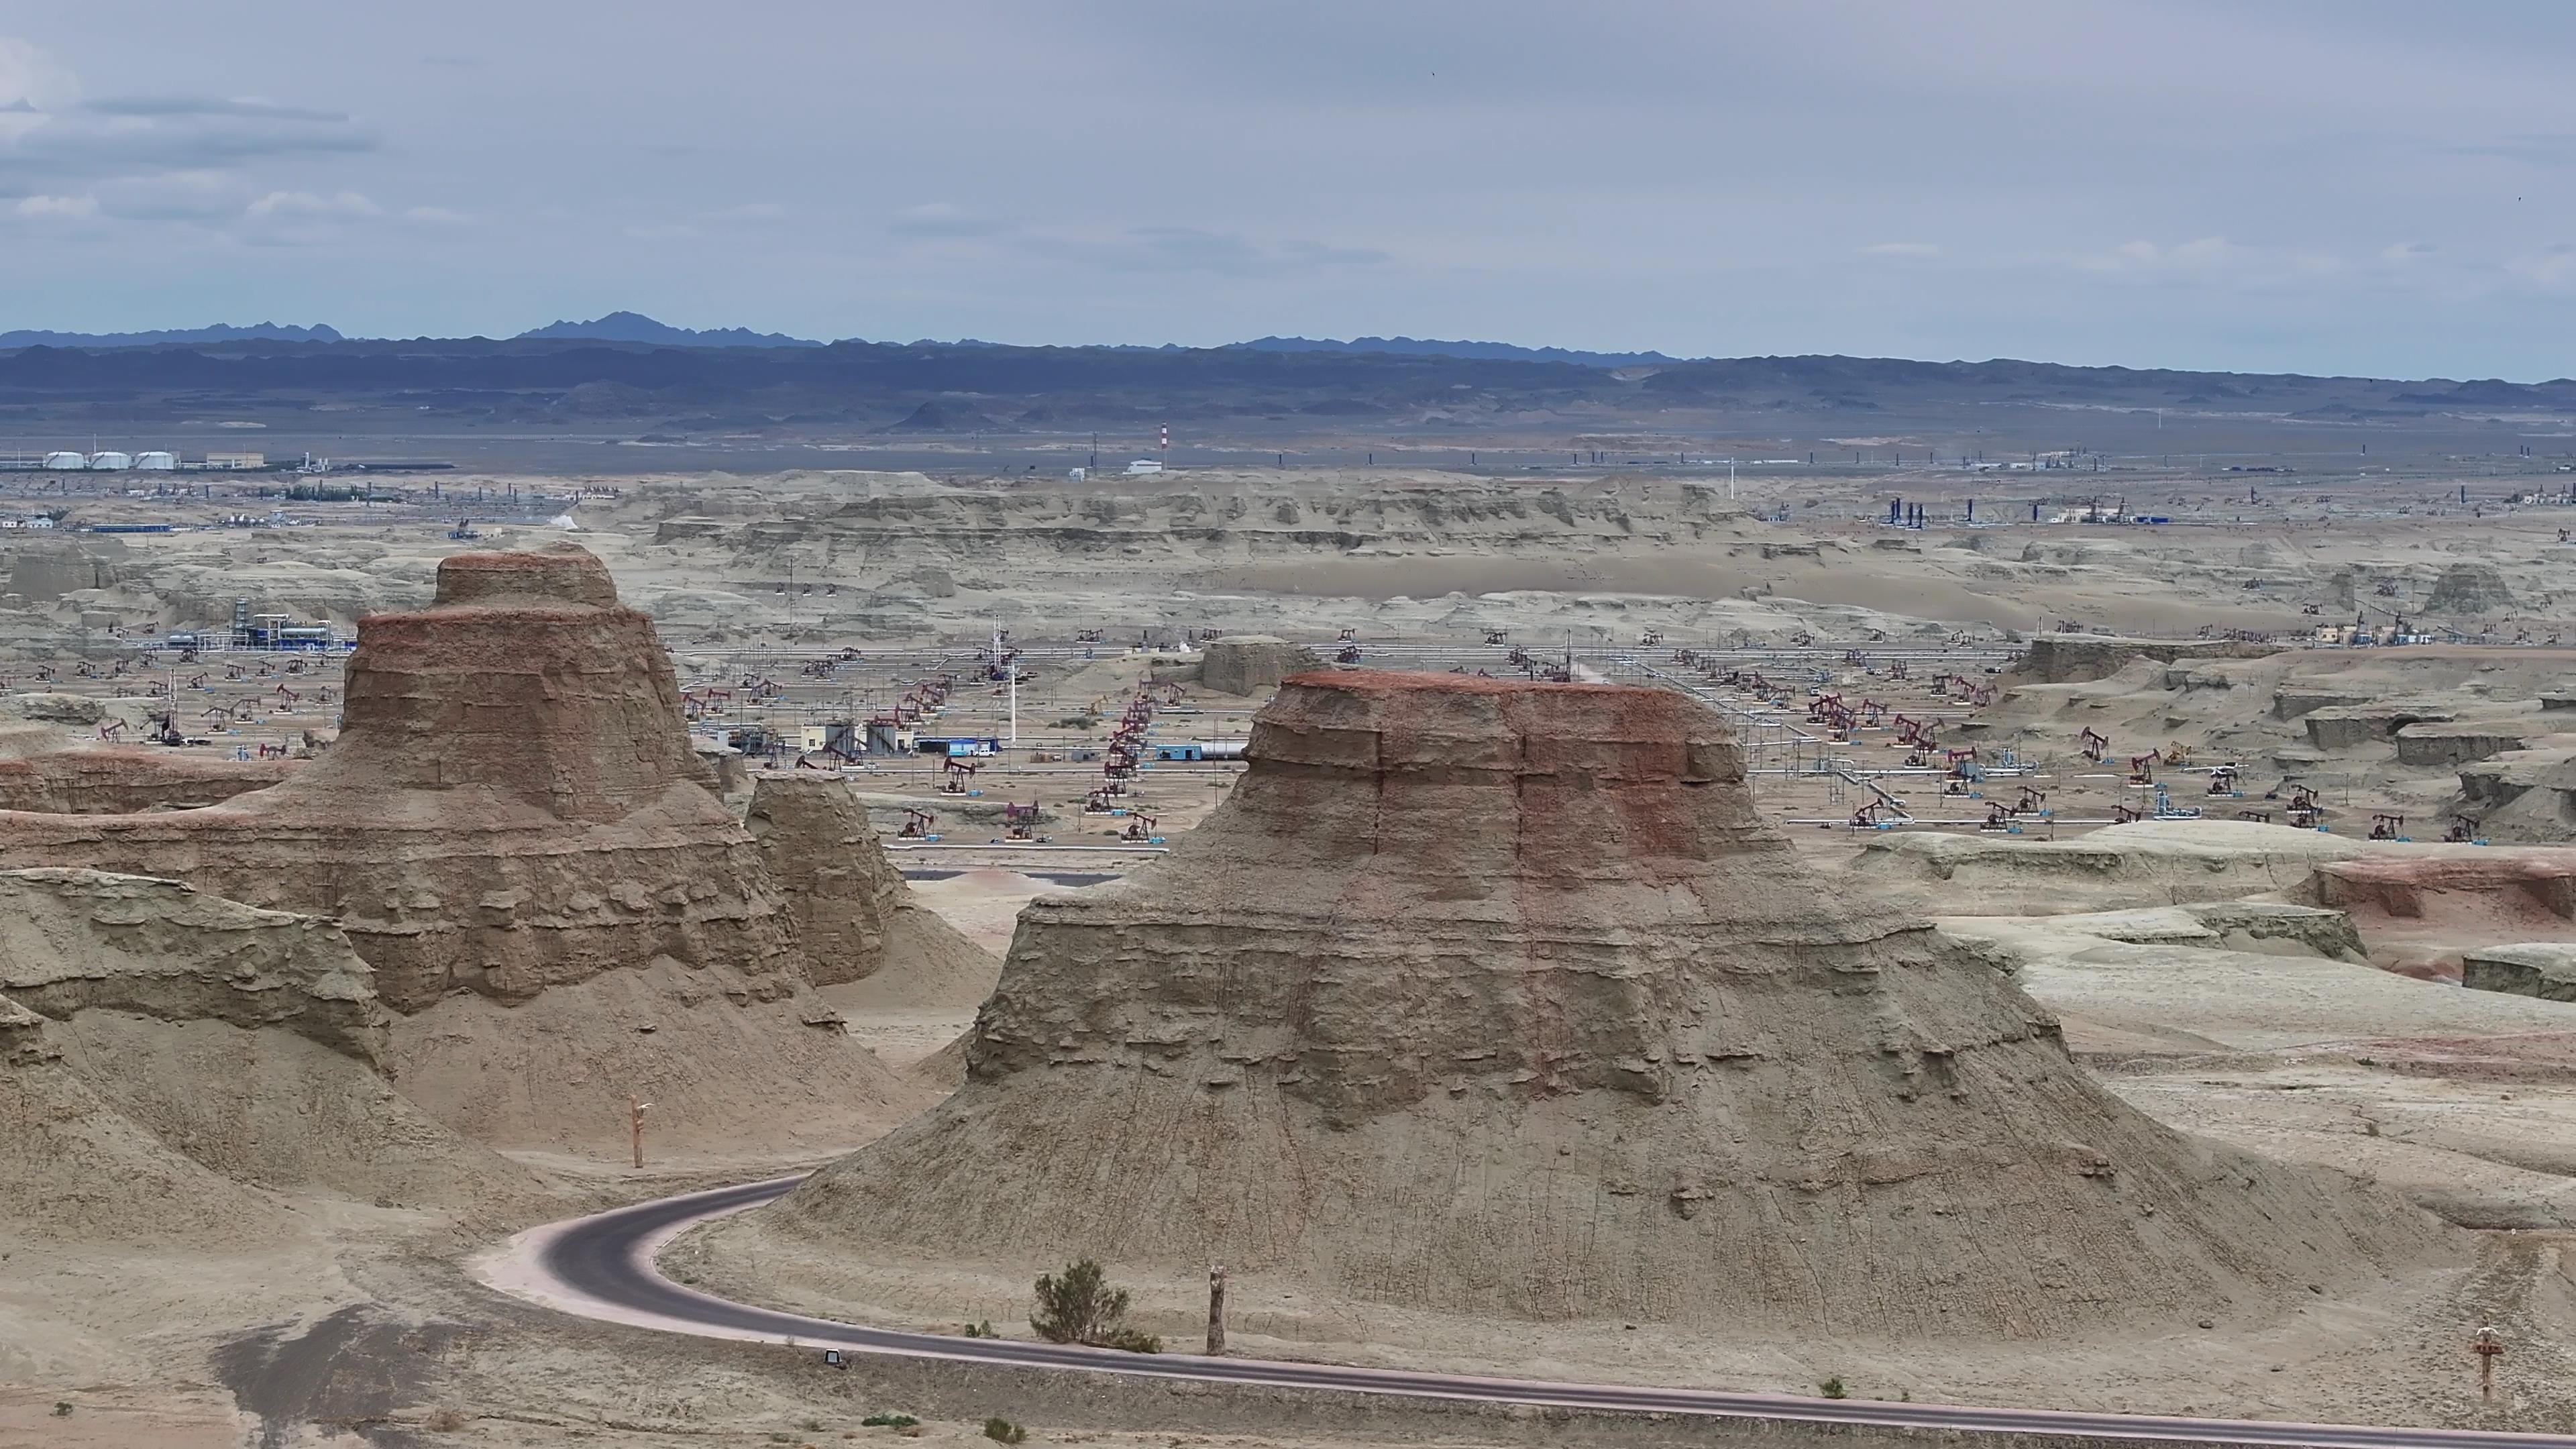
[[207, 106], [105, 141], [2338, 185]]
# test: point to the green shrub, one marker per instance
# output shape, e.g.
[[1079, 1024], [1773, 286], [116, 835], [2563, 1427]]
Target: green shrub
[[1079, 1307], [888, 1421], [984, 1329], [1003, 1431], [1833, 1388]]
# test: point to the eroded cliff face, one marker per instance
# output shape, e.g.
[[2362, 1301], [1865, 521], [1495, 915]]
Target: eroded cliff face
[[1500, 998], [816, 842], [170, 1060], [856, 920], [84, 940], [128, 779], [513, 832], [512, 804], [1217, 521]]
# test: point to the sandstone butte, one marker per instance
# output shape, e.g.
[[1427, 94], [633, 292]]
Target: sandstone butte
[[514, 832], [1500, 999]]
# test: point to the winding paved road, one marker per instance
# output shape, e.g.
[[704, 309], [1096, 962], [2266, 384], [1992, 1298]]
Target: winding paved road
[[603, 1267]]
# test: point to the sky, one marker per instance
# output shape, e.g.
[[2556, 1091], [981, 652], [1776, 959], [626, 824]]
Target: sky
[[2332, 186]]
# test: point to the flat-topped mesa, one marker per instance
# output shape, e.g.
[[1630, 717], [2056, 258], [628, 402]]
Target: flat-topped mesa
[[512, 804], [1500, 998], [1433, 857], [558, 575], [1461, 786], [525, 679]]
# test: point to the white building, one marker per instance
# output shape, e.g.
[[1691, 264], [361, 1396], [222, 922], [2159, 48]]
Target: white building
[[1143, 465], [156, 462], [110, 462], [63, 462]]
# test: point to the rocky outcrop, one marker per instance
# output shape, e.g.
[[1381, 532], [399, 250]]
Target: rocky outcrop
[[1502, 999], [855, 917], [2344, 727], [2150, 863], [2081, 659], [815, 841], [2545, 969], [130, 779], [168, 1059], [2290, 703], [514, 832], [2451, 745], [2477, 889], [1252, 663], [2524, 796], [42, 569], [512, 804], [177, 955], [2469, 588]]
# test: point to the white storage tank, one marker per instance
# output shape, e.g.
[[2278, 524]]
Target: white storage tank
[[63, 461], [110, 462], [156, 462]]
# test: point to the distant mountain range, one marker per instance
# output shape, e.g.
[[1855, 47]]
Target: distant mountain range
[[1429, 347], [256, 332], [636, 327], [626, 365]]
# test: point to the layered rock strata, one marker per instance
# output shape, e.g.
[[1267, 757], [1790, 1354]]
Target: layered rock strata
[[169, 1059], [514, 832], [1501, 999], [855, 917], [129, 779], [512, 804], [1252, 663]]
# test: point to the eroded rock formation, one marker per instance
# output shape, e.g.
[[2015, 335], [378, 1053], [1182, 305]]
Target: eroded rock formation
[[855, 918], [1500, 998], [515, 834], [1252, 663], [168, 1057], [511, 805], [128, 779]]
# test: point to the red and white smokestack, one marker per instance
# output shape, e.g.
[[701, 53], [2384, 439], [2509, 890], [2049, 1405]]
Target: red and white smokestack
[[1167, 440]]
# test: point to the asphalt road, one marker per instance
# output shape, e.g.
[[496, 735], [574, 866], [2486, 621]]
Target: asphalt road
[[602, 1267]]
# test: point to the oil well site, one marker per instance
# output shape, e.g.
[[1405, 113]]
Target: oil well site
[[1683, 948]]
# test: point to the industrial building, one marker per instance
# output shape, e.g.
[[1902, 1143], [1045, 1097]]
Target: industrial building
[[236, 460], [66, 462], [1201, 750], [110, 462], [275, 631], [156, 462]]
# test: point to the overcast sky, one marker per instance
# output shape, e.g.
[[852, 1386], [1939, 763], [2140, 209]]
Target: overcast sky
[[2338, 186]]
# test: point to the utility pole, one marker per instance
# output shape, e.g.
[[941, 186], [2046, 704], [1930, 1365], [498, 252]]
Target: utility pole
[[1216, 1311], [1011, 671], [635, 1111], [2486, 1343]]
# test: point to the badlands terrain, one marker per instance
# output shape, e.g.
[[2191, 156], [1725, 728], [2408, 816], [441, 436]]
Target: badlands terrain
[[1619, 926]]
